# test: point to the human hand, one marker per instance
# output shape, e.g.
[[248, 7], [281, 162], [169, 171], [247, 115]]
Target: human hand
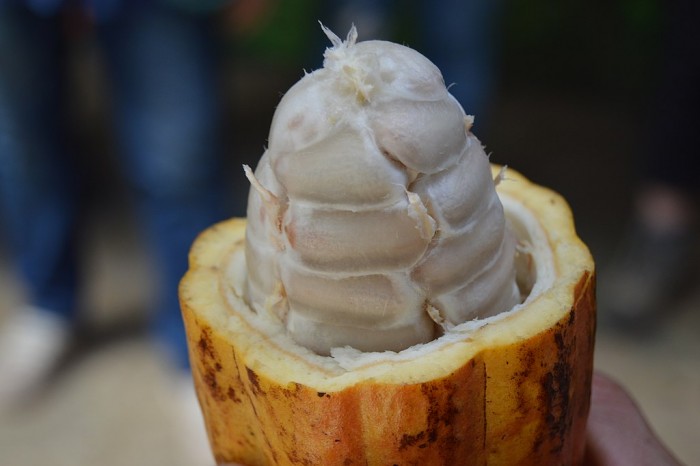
[[618, 434]]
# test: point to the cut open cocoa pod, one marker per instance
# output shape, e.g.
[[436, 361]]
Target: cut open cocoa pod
[[512, 389]]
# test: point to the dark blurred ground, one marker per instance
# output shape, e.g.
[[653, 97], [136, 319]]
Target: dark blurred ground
[[572, 112]]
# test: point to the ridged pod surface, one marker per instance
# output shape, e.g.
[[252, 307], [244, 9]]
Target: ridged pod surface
[[374, 222], [513, 389]]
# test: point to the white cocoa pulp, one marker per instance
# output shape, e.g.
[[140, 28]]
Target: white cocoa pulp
[[373, 221]]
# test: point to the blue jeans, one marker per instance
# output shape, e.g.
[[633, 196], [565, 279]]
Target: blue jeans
[[161, 66]]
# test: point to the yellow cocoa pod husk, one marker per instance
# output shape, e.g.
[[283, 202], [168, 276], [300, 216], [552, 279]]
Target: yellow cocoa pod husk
[[513, 392]]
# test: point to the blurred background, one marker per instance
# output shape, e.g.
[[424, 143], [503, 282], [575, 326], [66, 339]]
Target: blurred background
[[596, 100]]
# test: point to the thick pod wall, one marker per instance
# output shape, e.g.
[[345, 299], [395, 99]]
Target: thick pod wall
[[513, 392]]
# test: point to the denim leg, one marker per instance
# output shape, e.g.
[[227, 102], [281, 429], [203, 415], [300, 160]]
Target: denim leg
[[162, 66], [37, 195], [461, 38]]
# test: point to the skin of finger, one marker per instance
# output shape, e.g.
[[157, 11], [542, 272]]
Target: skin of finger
[[618, 433]]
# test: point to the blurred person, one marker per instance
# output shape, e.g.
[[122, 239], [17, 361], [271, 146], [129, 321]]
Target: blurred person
[[160, 58], [460, 37], [657, 257]]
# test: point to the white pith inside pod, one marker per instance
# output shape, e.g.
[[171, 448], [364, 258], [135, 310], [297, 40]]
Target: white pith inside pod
[[536, 272]]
